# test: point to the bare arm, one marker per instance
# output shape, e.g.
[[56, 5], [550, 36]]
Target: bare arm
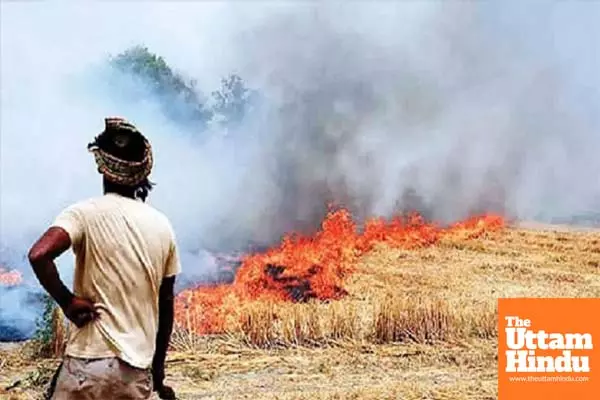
[[166, 311], [54, 242], [163, 336]]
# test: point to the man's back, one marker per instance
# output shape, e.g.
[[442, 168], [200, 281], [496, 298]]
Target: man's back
[[124, 248], [122, 308]]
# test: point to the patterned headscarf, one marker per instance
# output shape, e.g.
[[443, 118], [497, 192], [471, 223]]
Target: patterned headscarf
[[116, 170]]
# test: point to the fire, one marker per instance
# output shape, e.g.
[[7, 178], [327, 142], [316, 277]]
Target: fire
[[303, 268], [10, 278]]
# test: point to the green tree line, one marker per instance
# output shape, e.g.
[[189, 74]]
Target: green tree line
[[179, 97]]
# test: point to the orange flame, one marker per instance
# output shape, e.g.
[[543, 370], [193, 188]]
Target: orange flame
[[10, 278], [301, 268]]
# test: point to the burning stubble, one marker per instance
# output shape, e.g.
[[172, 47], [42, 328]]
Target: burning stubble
[[302, 269]]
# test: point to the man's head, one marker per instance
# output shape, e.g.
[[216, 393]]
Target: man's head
[[124, 158]]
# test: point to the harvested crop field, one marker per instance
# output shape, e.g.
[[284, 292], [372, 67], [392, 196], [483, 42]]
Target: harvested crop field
[[416, 324]]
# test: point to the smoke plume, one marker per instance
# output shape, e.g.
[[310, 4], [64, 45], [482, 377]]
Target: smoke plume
[[449, 108]]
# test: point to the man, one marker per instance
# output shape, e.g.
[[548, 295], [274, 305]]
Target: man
[[121, 308]]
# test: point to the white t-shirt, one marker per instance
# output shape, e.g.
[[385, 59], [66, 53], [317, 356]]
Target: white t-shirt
[[123, 249]]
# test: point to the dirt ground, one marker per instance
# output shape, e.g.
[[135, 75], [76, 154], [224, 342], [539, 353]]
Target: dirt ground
[[530, 261], [459, 371]]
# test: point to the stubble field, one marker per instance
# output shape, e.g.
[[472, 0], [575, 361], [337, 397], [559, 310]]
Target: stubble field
[[416, 324]]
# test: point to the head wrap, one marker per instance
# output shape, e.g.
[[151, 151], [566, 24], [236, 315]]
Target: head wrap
[[116, 170]]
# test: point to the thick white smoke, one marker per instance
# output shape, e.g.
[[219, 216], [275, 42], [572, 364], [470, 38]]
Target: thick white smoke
[[472, 106]]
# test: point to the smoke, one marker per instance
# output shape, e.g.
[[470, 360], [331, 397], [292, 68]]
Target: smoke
[[453, 108]]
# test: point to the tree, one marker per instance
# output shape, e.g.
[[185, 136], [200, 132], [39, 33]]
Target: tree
[[178, 97], [232, 101]]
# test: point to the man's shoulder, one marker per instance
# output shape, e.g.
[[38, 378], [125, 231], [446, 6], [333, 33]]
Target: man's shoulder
[[83, 205], [156, 213], [109, 202], [76, 213], [159, 218], [98, 205]]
